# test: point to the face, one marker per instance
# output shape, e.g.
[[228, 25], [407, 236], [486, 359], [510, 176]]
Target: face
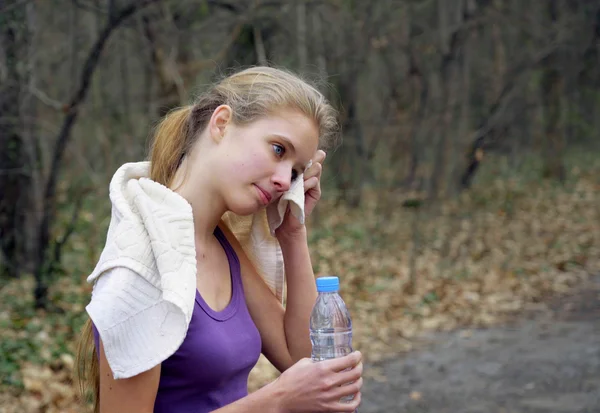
[[258, 162]]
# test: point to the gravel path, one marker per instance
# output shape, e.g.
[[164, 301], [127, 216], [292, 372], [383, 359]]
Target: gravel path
[[545, 362]]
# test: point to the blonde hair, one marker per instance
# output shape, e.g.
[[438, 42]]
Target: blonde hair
[[252, 94]]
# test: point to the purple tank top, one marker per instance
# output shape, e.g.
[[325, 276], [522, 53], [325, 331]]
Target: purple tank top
[[211, 367]]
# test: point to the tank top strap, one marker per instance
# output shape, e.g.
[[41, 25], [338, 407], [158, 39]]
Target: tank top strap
[[237, 289], [234, 262]]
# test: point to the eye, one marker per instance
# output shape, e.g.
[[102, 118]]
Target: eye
[[279, 150]]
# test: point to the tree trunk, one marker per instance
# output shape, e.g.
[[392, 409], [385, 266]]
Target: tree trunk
[[552, 92], [451, 40], [464, 122], [499, 60], [350, 164], [554, 145], [418, 90], [15, 170], [319, 46], [301, 35], [259, 47], [31, 139], [351, 157]]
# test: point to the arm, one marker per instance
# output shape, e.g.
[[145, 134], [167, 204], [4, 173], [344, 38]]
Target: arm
[[133, 395], [301, 292], [266, 400]]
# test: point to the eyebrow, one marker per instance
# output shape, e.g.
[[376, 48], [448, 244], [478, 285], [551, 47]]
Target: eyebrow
[[291, 146]]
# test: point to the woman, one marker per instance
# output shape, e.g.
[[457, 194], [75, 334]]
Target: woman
[[180, 310]]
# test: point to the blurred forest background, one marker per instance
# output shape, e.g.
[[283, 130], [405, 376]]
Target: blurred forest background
[[466, 187]]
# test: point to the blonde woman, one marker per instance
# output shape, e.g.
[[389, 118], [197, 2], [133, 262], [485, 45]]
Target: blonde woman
[[185, 301]]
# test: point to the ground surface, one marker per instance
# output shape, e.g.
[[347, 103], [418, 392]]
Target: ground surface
[[546, 361]]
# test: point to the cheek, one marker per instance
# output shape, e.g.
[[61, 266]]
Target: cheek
[[249, 165]]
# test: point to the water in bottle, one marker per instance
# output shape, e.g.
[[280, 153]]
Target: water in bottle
[[330, 323]]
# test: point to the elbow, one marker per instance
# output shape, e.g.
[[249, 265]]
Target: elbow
[[300, 350], [297, 354]]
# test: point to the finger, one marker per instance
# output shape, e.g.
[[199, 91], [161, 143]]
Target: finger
[[348, 389], [319, 156], [342, 363], [312, 194], [347, 406], [315, 170], [349, 376], [356, 402], [311, 183]]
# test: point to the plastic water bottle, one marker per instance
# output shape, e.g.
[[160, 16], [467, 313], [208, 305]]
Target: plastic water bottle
[[330, 323]]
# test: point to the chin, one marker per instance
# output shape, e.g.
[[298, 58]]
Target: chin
[[243, 213], [244, 210]]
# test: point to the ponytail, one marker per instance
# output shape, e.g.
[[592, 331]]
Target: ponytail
[[170, 144], [87, 367]]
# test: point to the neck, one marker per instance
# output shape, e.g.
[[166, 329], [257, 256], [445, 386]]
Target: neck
[[207, 206]]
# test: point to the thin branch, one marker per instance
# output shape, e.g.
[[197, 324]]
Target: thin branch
[[53, 264], [16, 171], [193, 67], [73, 222], [497, 107], [259, 46], [232, 7], [13, 6], [45, 99], [89, 7]]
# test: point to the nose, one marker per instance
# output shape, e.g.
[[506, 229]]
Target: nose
[[282, 178]]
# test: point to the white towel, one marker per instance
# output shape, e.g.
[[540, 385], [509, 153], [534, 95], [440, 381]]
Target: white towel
[[150, 255], [294, 198]]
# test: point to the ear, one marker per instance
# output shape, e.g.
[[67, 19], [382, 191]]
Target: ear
[[219, 120]]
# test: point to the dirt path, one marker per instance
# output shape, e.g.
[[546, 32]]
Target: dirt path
[[546, 362]]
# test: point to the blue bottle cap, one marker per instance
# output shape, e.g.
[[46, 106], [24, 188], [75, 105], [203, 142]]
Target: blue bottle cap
[[328, 284]]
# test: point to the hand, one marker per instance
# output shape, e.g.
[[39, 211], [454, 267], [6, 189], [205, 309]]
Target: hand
[[312, 182], [309, 386], [312, 194]]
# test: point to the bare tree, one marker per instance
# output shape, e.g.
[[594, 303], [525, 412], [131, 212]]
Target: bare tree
[[45, 261]]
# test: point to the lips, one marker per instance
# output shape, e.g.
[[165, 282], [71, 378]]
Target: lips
[[265, 197]]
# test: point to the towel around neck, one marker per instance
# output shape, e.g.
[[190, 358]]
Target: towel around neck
[[151, 233]]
